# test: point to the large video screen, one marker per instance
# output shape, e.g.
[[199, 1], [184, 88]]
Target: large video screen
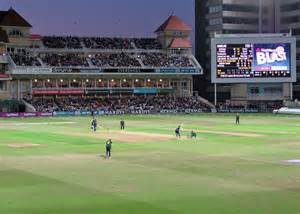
[[253, 60]]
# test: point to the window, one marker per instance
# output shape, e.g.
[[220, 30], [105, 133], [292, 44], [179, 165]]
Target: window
[[216, 21], [254, 91], [184, 85], [2, 86], [215, 9], [240, 8], [15, 32], [174, 84], [239, 20], [269, 90], [290, 7]]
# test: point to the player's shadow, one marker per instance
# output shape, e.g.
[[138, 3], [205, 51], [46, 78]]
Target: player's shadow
[[103, 156]]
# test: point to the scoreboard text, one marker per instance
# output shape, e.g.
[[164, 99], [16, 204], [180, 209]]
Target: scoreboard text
[[253, 60]]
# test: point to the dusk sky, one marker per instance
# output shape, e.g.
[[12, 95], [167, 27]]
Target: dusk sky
[[126, 18]]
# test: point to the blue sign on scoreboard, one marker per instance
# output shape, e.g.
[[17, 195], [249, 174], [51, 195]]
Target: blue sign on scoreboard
[[273, 59]]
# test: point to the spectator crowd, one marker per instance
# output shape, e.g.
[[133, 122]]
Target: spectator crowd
[[124, 103], [24, 59], [113, 52], [162, 60], [115, 60], [72, 42], [107, 43], [64, 60], [147, 43], [120, 59], [59, 42]]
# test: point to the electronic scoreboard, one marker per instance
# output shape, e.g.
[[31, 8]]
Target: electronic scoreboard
[[253, 60]]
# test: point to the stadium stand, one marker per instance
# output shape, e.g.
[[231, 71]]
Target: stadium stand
[[147, 43], [73, 73], [162, 60], [64, 59], [119, 59], [115, 60], [137, 103], [70, 42], [107, 43], [24, 59]]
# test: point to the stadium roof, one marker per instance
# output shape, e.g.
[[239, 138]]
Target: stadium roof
[[35, 37], [173, 23], [12, 18], [180, 43], [5, 77]]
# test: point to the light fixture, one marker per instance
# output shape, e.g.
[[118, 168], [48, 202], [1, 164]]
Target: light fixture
[[99, 80], [87, 80], [149, 80], [124, 80], [35, 80], [61, 80], [136, 80], [74, 80], [48, 80], [160, 80]]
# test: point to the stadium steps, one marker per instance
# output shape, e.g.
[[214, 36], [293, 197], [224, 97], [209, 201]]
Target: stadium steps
[[140, 61], [41, 61], [205, 101], [89, 62], [194, 60], [133, 45], [83, 46], [29, 107], [42, 46], [11, 61]]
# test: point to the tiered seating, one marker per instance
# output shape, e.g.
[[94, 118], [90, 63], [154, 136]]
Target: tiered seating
[[115, 60], [147, 43], [162, 60], [118, 103], [60, 42], [64, 60], [107, 43], [25, 59]]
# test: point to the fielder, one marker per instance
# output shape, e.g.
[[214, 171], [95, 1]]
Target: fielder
[[177, 131], [193, 134]]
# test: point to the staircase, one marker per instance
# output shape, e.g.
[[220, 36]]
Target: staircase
[[11, 61], [205, 101], [89, 61], [140, 61], [41, 62], [83, 46], [133, 45], [195, 61], [29, 107]]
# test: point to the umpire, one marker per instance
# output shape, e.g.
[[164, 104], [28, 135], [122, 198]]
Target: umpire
[[237, 119], [122, 124], [108, 146]]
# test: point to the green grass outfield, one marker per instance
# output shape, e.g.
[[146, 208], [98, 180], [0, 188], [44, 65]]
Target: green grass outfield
[[229, 169]]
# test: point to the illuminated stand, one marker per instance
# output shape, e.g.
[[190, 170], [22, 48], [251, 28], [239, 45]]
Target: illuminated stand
[[263, 62]]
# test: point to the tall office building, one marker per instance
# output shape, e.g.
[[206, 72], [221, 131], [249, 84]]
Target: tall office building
[[290, 21], [230, 17]]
